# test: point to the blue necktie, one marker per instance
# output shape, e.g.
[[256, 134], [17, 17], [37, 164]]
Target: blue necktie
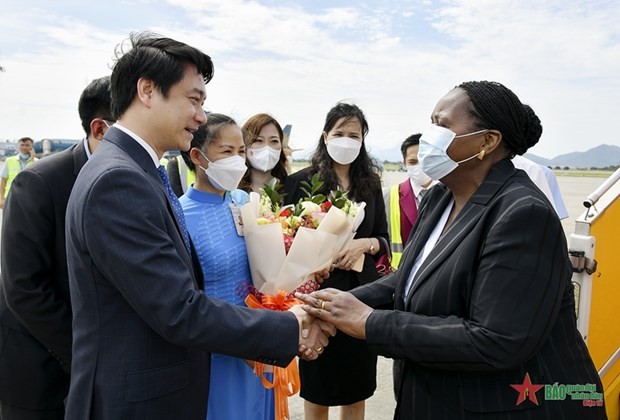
[[176, 206]]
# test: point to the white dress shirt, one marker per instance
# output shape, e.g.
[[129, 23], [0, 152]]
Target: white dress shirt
[[428, 247], [141, 142]]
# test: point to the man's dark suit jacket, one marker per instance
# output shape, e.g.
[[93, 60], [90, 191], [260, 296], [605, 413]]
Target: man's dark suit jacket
[[491, 302], [35, 311], [142, 326]]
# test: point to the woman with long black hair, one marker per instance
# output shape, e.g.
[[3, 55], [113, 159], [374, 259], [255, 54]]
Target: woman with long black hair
[[345, 374]]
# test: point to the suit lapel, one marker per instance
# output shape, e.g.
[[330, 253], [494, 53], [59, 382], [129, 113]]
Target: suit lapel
[[79, 158], [440, 197], [133, 149], [142, 158], [136, 152], [407, 201], [462, 225]]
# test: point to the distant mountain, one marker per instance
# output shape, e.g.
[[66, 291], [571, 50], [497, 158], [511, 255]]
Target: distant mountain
[[538, 159], [597, 157]]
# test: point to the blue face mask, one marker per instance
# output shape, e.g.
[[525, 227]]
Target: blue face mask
[[24, 156], [433, 151]]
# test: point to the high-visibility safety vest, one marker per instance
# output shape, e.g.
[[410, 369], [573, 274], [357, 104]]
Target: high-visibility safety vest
[[187, 176], [396, 242], [13, 167]]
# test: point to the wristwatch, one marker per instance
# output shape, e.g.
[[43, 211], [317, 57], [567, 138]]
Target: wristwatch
[[372, 247]]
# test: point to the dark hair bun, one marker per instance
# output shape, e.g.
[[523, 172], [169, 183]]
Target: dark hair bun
[[497, 108], [532, 129]]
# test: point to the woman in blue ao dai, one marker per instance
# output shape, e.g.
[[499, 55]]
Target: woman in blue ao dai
[[211, 205]]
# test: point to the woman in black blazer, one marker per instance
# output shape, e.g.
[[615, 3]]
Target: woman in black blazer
[[484, 311], [345, 374]]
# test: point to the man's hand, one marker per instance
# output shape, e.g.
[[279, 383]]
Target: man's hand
[[341, 309], [314, 334]]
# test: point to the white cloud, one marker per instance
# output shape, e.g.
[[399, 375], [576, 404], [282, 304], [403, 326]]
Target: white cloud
[[561, 57]]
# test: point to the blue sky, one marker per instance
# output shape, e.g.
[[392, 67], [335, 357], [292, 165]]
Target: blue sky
[[296, 59]]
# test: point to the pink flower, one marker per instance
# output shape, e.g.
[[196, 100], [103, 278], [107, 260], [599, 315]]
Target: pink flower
[[288, 242]]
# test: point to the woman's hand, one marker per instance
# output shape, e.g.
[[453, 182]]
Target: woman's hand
[[341, 309], [356, 250], [320, 276]]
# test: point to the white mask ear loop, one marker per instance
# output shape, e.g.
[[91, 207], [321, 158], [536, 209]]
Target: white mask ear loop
[[471, 134], [204, 156], [480, 154]]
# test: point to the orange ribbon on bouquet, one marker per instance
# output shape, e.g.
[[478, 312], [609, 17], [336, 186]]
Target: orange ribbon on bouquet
[[279, 302], [285, 384], [285, 380]]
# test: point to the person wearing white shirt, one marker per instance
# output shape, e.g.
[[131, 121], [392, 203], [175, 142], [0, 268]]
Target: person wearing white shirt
[[540, 178]]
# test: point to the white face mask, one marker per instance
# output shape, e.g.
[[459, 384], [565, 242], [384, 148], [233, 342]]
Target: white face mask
[[433, 151], [225, 174], [417, 176], [343, 150], [264, 158]]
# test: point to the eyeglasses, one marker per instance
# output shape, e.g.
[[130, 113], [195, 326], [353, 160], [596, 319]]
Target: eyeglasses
[[108, 123]]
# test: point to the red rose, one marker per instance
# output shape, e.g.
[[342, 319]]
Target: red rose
[[325, 206], [286, 213]]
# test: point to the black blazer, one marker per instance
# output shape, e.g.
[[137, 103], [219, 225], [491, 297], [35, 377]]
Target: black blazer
[[142, 326], [35, 309], [374, 225], [491, 302]]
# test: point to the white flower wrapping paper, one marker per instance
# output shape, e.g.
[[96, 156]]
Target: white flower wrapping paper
[[312, 250]]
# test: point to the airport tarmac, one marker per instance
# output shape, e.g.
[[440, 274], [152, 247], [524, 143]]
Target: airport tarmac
[[381, 405]]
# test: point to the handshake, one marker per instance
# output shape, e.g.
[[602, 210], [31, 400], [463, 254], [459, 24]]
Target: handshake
[[313, 334], [322, 313]]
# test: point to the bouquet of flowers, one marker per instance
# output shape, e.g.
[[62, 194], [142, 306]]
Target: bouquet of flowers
[[286, 245]]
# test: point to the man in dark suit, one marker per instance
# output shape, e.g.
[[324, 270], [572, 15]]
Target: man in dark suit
[[35, 309], [143, 328]]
